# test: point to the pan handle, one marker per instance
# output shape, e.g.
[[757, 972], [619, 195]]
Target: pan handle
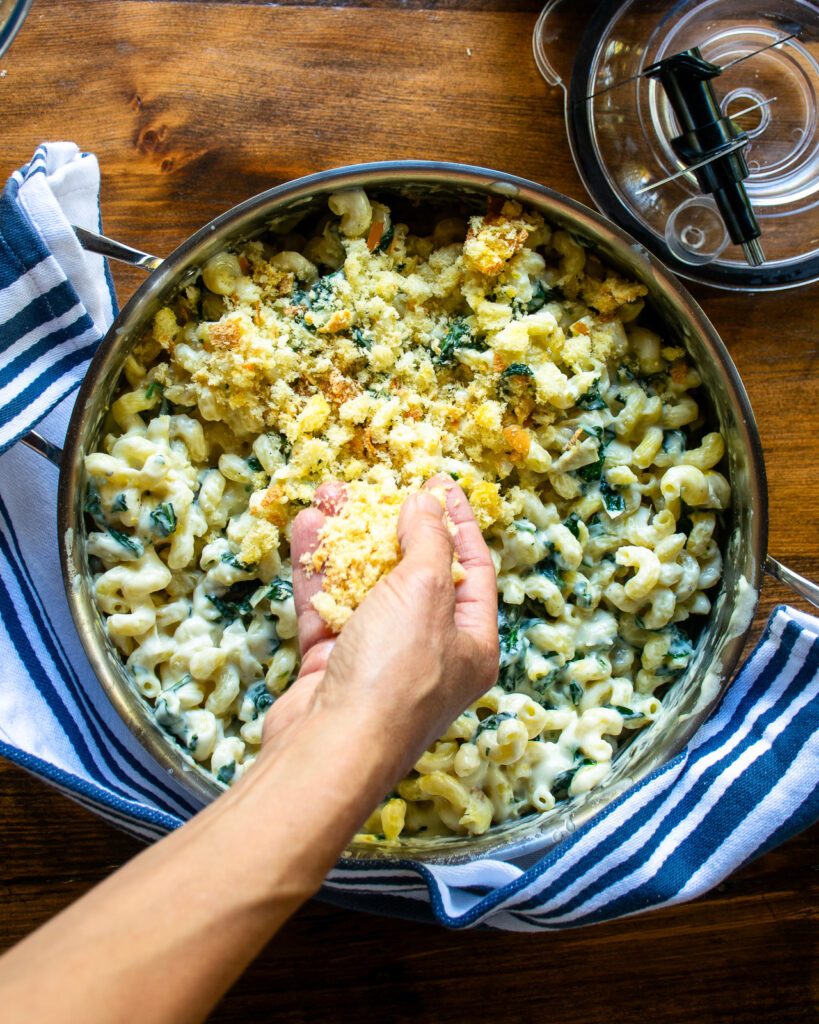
[[116, 250], [38, 443], [805, 588], [103, 246]]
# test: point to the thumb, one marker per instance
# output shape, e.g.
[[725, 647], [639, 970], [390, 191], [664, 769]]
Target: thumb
[[423, 534]]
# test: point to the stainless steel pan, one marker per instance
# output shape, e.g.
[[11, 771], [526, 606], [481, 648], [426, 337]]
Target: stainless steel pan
[[692, 698]]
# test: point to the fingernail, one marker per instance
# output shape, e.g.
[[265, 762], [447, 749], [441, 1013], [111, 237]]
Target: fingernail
[[427, 501]]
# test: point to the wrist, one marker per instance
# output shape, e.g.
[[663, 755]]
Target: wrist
[[304, 799]]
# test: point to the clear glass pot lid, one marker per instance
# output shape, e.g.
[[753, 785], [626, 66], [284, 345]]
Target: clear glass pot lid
[[621, 137]]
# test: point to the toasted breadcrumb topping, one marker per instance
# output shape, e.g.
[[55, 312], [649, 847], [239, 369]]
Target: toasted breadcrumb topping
[[457, 354], [358, 545]]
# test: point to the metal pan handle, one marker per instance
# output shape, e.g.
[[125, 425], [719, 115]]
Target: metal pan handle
[[804, 587], [103, 246]]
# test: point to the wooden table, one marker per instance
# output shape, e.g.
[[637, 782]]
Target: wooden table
[[193, 106]]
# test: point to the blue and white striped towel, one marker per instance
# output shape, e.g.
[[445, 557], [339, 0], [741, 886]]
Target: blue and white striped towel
[[747, 781]]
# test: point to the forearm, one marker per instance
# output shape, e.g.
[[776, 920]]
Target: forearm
[[173, 929]]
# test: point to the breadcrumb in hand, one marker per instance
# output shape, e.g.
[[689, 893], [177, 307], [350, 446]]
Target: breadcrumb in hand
[[359, 545]]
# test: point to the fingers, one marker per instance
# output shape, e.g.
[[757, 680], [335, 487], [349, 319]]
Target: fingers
[[476, 597], [304, 540], [329, 497], [423, 535], [327, 501]]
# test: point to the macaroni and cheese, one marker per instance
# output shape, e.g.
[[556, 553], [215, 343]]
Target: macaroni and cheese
[[493, 348]]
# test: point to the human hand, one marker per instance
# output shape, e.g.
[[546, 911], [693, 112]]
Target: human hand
[[418, 649]]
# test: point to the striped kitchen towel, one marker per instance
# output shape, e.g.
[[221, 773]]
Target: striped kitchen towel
[[746, 782], [56, 301]]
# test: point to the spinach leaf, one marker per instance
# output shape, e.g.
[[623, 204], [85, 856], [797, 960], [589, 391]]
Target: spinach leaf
[[541, 294], [673, 442], [458, 336], [612, 499], [120, 504], [627, 713], [572, 524], [591, 399], [187, 678], [593, 471], [513, 647], [235, 601], [226, 772], [491, 723], [93, 505], [360, 339], [130, 543], [164, 519], [560, 786], [280, 589], [680, 646], [320, 295], [261, 697], [254, 464], [575, 693], [517, 370], [386, 238], [549, 568], [229, 558], [154, 388]]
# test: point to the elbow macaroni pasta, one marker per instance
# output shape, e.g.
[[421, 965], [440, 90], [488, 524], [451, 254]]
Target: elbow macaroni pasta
[[348, 347]]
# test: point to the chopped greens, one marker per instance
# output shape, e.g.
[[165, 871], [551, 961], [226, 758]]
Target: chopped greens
[[591, 399], [614, 501], [592, 472], [261, 697], [120, 504], [386, 239], [549, 568], [680, 646], [514, 644], [187, 678], [129, 543], [491, 723], [541, 294], [561, 784], [360, 339], [164, 519], [229, 558], [320, 295], [517, 370], [572, 524], [226, 772], [673, 442], [93, 505], [254, 464], [458, 336], [154, 388], [235, 602], [575, 693], [627, 713], [280, 589]]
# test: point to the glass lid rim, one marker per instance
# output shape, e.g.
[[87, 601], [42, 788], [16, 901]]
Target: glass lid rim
[[770, 277]]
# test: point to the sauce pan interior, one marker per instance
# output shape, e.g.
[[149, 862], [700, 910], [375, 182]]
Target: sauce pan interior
[[420, 186]]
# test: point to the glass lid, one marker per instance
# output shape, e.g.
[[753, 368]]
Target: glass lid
[[624, 133], [12, 14]]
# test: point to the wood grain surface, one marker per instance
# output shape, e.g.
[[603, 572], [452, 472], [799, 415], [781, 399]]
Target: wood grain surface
[[194, 106]]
